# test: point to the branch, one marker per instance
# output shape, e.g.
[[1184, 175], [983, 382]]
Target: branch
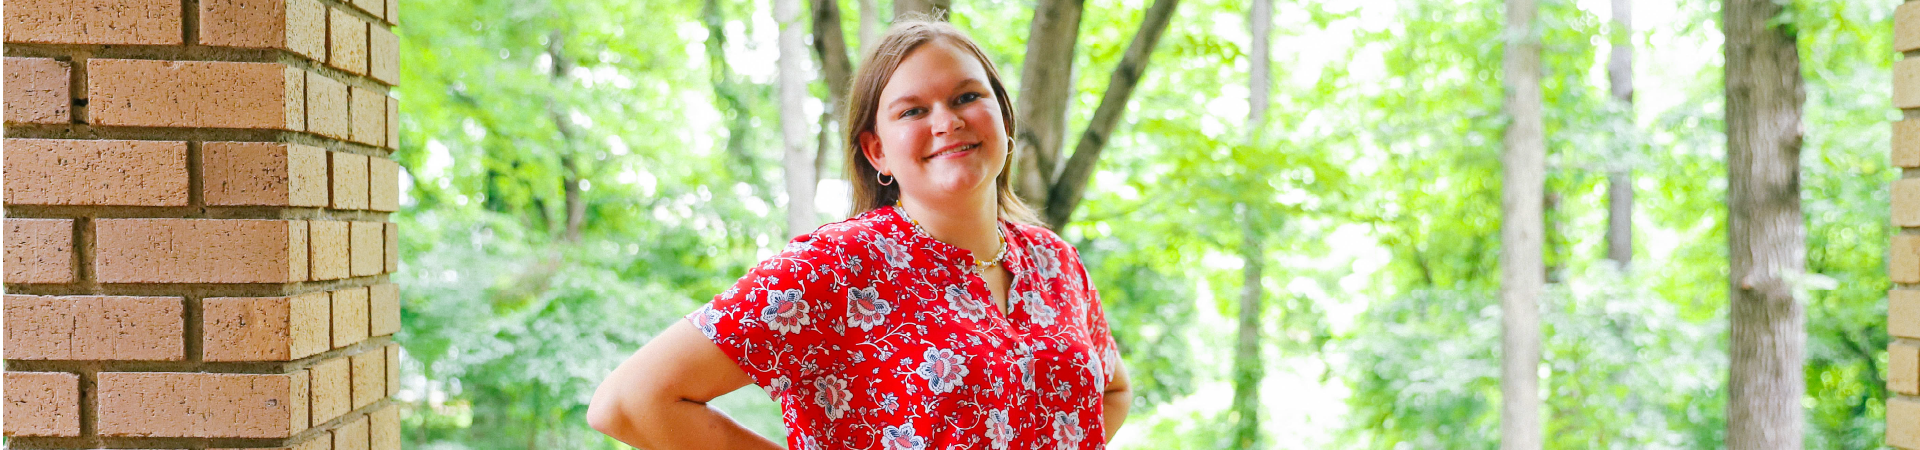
[[1065, 193], [1046, 86]]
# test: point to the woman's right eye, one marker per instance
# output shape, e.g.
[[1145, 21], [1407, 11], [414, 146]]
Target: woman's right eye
[[909, 112]]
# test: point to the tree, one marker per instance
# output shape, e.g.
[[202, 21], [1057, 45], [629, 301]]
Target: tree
[[1522, 274], [798, 161], [1620, 179], [1042, 178], [1766, 231], [1247, 363]]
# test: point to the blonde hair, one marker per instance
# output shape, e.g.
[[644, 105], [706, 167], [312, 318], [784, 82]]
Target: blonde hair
[[863, 104]]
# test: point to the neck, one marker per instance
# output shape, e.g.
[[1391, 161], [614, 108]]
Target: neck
[[970, 222]]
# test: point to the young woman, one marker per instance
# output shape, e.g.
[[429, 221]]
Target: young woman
[[938, 316]]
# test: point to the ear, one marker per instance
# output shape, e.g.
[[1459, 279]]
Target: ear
[[870, 147]]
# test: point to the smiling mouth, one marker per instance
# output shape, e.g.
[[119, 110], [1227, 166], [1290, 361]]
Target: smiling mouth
[[955, 150]]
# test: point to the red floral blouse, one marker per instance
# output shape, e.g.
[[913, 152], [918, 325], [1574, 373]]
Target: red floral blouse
[[871, 334]]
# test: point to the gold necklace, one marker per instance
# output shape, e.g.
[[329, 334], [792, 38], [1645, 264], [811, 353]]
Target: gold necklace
[[978, 265]]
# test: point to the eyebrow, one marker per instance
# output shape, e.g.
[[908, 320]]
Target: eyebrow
[[963, 83]]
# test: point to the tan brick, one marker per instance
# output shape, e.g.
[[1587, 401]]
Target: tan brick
[[349, 180], [297, 25], [384, 428], [369, 241], [37, 90], [383, 180], [1903, 368], [1906, 27], [194, 94], [205, 405], [1903, 422], [332, 389], [1903, 313], [96, 172], [384, 305], [329, 249], [1903, 259], [139, 22], [1906, 83], [352, 435], [198, 251], [369, 377], [393, 11], [349, 316], [393, 369], [94, 328], [42, 404], [368, 112], [263, 173], [38, 251], [372, 7], [383, 55], [393, 247], [326, 106], [1906, 202], [393, 123], [348, 38], [320, 441], [265, 328], [1906, 143]]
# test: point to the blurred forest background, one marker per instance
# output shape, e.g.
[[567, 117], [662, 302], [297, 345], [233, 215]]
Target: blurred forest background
[[580, 173]]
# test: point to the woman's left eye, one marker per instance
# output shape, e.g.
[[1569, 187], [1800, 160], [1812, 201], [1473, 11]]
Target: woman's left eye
[[969, 97]]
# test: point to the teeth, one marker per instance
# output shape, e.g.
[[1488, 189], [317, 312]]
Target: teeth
[[956, 150]]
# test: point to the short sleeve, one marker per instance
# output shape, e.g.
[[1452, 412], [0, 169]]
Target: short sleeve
[[773, 316], [1099, 333]]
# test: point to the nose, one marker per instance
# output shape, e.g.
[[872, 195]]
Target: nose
[[945, 120]]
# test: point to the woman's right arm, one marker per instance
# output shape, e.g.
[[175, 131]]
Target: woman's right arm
[[657, 399]]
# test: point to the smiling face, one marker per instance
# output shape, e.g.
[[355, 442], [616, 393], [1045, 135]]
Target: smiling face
[[938, 129]]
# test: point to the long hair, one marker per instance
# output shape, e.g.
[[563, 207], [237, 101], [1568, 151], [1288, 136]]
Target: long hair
[[863, 104]]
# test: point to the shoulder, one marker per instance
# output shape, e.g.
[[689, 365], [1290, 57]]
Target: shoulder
[[1046, 240], [834, 242]]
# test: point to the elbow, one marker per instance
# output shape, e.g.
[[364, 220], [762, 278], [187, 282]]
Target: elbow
[[603, 417]]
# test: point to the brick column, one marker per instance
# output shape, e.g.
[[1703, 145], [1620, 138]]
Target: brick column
[[196, 236], [1903, 256]]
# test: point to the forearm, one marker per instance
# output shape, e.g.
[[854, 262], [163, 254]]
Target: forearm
[[1114, 406], [681, 424]]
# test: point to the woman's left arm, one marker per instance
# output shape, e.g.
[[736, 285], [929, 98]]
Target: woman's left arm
[[1115, 401]]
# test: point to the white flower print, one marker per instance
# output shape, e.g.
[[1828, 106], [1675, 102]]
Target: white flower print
[[1066, 431], [830, 392], [866, 308], [897, 255], [1037, 308], [1046, 261], [901, 438], [778, 385], [1025, 363], [969, 307], [785, 311], [943, 370], [998, 430], [1099, 373], [705, 318]]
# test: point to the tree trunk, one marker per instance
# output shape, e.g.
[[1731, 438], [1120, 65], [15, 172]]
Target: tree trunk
[[1046, 89], [1765, 229], [574, 205], [1521, 269], [1620, 179], [869, 22], [1247, 364], [732, 100], [792, 79], [936, 9], [1065, 194], [830, 49]]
